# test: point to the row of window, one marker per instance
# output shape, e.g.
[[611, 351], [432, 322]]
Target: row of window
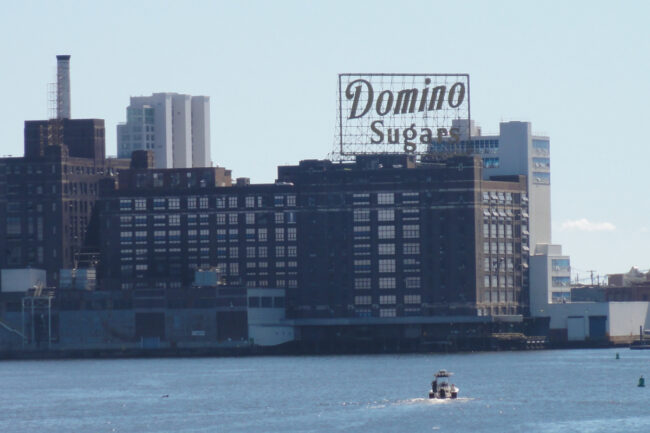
[[222, 235], [386, 283], [409, 231], [384, 198], [174, 203], [387, 299], [386, 249], [220, 218]]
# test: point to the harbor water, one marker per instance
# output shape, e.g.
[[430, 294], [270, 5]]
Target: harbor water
[[534, 391]]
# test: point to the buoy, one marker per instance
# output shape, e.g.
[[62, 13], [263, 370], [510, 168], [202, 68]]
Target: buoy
[[617, 357], [641, 382]]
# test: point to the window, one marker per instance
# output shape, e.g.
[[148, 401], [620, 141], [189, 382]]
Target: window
[[386, 249], [250, 217], [279, 234], [362, 249], [363, 300], [385, 198], [292, 251], [279, 251], [175, 236], [410, 198], [387, 265], [361, 215], [191, 202], [221, 218], [387, 283], [250, 201], [262, 252], [158, 203], [386, 232], [278, 200], [386, 215], [412, 282], [412, 299], [279, 217], [141, 237], [360, 199], [204, 234], [232, 219], [174, 220], [387, 299], [203, 202], [411, 248], [234, 269], [291, 233], [362, 266], [221, 235], [291, 200], [362, 283], [125, 204], [411, 231], [250, 252], [387, 312], [174, 203], [561, 281], [234, 252], [159, 220], [560, 264], [140, 204], [220, 203], [361, 231], [262, 235]]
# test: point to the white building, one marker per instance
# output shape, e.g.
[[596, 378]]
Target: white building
[[175, 127], [550, 278]]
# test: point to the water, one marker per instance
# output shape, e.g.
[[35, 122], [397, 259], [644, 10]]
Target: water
[[541, 391]]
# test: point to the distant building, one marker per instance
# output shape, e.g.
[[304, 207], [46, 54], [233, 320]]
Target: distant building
[[175, 127], [47, 196], [517, 151], [550, 278]]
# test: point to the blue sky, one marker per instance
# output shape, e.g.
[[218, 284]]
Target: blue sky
[[579, 71]]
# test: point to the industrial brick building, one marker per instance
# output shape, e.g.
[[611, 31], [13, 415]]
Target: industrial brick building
[[381, 237]]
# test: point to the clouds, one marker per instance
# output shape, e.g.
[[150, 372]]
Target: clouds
[[584, 225]]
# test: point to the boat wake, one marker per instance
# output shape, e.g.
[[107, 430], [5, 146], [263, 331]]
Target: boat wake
[[434, 400]]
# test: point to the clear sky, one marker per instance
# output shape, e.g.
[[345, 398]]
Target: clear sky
[[579, 71]]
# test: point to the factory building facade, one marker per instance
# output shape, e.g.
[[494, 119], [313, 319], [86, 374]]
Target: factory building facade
[[381, 237]]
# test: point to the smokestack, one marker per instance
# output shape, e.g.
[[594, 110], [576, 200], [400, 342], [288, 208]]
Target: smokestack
[[63, 87]]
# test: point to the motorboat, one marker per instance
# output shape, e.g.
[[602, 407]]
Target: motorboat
[[440, 387]]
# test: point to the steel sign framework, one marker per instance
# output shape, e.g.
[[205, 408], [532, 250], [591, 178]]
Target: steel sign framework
[[401, 113]]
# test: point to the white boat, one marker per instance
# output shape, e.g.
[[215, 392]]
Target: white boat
[[440, 387]]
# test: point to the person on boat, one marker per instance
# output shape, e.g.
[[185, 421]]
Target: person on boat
[[434, 386]]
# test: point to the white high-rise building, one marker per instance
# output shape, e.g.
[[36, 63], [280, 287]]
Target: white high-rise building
[[175, 127]]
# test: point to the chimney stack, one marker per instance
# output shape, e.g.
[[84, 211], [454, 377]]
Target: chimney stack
[[63, 87]]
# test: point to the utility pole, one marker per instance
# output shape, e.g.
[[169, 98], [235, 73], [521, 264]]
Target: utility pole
[[592, 276]]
